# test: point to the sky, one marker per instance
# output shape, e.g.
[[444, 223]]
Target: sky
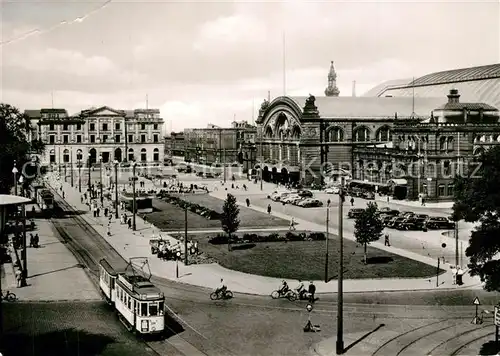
[[213, 62]]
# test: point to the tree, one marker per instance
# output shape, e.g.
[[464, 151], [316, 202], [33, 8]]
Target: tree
[[368, 227], [477, 199], [229, 219], [14, 129]]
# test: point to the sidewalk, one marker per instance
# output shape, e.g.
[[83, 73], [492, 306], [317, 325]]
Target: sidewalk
[[132, 244], [53, 272]]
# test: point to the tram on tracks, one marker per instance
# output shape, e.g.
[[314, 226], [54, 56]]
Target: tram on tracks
[[45, 199], [139, 304]]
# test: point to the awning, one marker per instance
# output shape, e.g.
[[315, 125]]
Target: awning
[[357, 181], [398, 181]]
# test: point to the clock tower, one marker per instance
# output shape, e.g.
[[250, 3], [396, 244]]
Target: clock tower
[[331, 89]]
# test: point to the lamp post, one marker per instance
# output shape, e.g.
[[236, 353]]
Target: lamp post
[[89, 183], [133, 198], [65, 171], [340, 297], [116, 188], [24, 254], [79, 175], [71, 168], [100, 177], [14, 172], [327, 233]]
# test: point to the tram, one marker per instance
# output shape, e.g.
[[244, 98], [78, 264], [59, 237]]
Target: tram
[[139, 304], [45, 200]]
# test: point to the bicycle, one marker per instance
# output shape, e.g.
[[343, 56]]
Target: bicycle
[[8, 296]]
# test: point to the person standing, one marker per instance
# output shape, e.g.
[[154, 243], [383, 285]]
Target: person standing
[[386, 240], [292, 224], [248, 202], [312, 291], [352, 201], [269, 209]]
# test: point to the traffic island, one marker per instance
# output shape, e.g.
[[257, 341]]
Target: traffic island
[[305, 260]]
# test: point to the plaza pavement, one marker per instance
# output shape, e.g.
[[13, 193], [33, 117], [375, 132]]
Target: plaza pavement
[[53, 272], [136, 244]]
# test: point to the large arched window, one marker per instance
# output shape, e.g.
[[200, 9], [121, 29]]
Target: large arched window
[[52, 156], [296, 133], [335, 134], [268, 132], [131, 154], [79, 155], [66, 156], [144, 155], [362, 134], [156, 155], [384, 134]]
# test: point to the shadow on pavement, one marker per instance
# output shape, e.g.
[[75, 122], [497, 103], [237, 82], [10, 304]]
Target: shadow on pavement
[[62, 343], [489, 348], [78, 265], [172, 327], [376, 260], [363, 337]]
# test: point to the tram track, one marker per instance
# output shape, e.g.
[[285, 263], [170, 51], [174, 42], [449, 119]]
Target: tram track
[[88, 251]]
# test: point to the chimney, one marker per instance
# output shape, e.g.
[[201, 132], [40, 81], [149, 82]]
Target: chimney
[[454, 97]]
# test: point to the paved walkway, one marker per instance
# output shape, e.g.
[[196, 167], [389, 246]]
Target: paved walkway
[[134, 244], [53, 272]]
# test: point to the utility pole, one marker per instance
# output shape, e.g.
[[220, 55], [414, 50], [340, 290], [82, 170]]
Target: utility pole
[[14, 172], [24, 253], [116, 189], [79, 176], [133, 193], [71, 164], [89, 183], [65, 172], [327, 238], [224, 163], [185, 236], [100, 178], [340, 297], [457, 255]]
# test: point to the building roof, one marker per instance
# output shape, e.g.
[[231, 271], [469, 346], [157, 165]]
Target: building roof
[[382, 87], [372, 107], [6, 199], [460, 75], [33, 114], [466, 106]]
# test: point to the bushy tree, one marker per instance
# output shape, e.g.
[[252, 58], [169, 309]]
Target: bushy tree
[[477, 199], [229, 218], [15, 146], [368, 227]]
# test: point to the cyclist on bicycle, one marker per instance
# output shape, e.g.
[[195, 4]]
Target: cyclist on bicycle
[[222, 287]]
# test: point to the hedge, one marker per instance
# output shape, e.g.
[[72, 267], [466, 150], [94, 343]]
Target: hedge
[[193, 207], [274, 237]]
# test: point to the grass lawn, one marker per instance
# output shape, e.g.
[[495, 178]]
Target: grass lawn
[[306, 260], [168, 217], [249, 218]]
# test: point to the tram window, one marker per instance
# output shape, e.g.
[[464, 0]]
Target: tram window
[[161, 307], [144, 309], [129, 303], [153, 309]]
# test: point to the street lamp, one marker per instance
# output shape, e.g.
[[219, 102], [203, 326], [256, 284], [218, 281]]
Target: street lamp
[[79, 175], [116, 188], [327, 233], [89, 183], [14, 172], [65, 171], [71, 168], [134, 178], [340, 302], [100, 177]]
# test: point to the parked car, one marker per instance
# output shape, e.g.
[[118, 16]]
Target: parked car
[[367, 195], [310, 203], [421, 216], [199, 174], [439, 223], [388, 211], [332, 190], [406, 214], [305, 193], [411, 224], [354, 213], [209, 175], [385, 219], [394, 222], [290, 199]]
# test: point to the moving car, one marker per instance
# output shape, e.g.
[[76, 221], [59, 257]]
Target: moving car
[[310, 203], [354, 213], [388, 211], [411, 224], [305, 193], [332, 190], [439, 223]]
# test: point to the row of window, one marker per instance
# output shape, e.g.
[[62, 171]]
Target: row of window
[[79, 155], [104, 139], [336, 134], [140, 308], [443, 190], [92, 127]]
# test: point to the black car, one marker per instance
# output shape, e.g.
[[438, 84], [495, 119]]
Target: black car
[[305, 194], [354, 213], [412, 224], [386, 219], [389, 211], [439, 223], [394, 222]]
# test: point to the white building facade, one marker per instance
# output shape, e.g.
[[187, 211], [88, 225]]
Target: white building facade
[[98, 133]]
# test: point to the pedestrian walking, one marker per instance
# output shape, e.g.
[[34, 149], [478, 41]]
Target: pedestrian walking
[[292, 224], [108, 230], [312, 291], [106, 212], [248, 202], [387, 198], [98, 211], [352, 201], [386, 240], [129, 222], [19, 278], [269, 209]]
